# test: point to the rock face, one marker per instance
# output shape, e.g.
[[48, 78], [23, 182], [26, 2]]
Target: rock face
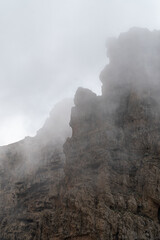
[[104, 183], [30, 174]]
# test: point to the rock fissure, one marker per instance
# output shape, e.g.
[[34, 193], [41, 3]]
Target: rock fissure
[[101, 183]]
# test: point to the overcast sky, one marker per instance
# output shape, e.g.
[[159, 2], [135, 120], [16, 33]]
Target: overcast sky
[[50, 47]]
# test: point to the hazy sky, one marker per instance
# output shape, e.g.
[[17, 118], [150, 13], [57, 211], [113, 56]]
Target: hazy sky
[[50, 47]]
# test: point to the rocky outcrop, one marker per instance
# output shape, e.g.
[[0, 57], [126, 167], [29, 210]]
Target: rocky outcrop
[[30, 174], [105, 182], [113, 173]]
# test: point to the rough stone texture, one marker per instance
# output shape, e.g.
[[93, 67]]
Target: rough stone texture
[[110, 173], [106, 184], [30, 174]]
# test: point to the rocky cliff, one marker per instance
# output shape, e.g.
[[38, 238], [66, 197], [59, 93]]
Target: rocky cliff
[[104, 182]]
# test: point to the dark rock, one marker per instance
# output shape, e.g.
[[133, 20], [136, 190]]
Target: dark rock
[[104, 182]]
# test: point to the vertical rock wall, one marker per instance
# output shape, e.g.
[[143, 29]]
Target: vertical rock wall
[[104, 183]]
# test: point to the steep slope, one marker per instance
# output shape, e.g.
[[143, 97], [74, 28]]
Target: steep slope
[[112, 172], [106, 185], [30, 173]]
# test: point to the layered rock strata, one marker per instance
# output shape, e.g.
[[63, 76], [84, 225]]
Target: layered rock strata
[[104, 183]]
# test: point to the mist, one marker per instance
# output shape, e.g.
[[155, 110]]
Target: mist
[[85, 167], [48, 49]]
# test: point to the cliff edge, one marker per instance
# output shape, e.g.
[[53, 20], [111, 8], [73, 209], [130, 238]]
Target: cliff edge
[[105, 185]]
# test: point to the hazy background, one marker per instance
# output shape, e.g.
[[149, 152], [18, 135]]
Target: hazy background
[[50, 47]]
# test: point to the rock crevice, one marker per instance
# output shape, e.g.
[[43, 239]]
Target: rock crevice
[[103, 182]]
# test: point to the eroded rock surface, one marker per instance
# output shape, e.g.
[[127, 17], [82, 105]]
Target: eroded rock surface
[[104, 183]]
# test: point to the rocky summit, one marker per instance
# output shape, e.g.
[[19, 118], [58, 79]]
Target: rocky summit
[[103, 181]]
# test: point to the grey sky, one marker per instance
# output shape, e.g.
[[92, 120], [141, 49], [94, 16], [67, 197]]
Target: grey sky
[[50, 47]]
